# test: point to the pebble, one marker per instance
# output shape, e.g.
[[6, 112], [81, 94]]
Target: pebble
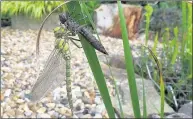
[[53, 114], [19, 101], [93, 113], [20, 116], [86, 94], [86, 116], [79, 104], [41, 110], [98, 116], [1, 110], [63, 110], [86, 100], [85, 111], [77, 92], [28, 113], [43, 115], [51, 105], [98, 100], [100, 108], [64, 101], [10, 112], [19, 112]]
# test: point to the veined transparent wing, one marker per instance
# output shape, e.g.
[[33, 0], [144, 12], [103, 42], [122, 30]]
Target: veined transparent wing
[[53, 74]]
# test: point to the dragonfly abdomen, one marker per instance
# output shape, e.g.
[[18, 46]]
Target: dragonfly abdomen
[[68, 82], [92, 40]]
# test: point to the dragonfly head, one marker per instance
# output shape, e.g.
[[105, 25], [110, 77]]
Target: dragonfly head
[[63, 17]]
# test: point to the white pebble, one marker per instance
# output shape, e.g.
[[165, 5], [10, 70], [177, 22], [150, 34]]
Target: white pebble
[[7, 93], [41, 110], [43, 115], [97, 116]]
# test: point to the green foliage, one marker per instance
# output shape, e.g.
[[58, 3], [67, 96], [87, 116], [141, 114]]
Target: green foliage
[[173, 27], [149, 11], [177, 58], [34, 9], [129, 64]]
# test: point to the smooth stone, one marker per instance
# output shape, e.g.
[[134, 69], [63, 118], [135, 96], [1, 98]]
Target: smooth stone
[[53, 114], [65, 111], [93, 113], [64, 101], [85, 111], [86, 100], [43, 115], [10, 112], [86, 116], [41, 110], [98, 100], [28, 113], [19, 101], [20, 116], [1, 110], [97, 116], [5, 116], [7, 93], [79, 104], [51, 105], [19, 112], [77, 92], [100, 108]]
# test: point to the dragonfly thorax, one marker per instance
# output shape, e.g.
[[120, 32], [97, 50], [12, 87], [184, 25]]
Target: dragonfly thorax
[[62, 45]]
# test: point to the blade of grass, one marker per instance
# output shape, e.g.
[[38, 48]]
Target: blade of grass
[[155, 44], [129, 64], [189, 41], [114, 81], [94, 65], [149, 11], [162, 89]]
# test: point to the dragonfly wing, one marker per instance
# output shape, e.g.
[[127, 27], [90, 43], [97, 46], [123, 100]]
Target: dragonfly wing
[[52, 75]]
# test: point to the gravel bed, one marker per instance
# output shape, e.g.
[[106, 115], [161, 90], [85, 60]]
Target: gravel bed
[[19, 71]]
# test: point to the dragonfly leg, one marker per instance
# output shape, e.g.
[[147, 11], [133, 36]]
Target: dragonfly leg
[[71, 39], [74, 39]]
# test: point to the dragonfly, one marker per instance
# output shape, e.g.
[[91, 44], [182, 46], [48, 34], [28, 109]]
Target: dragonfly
[[57, 67]]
